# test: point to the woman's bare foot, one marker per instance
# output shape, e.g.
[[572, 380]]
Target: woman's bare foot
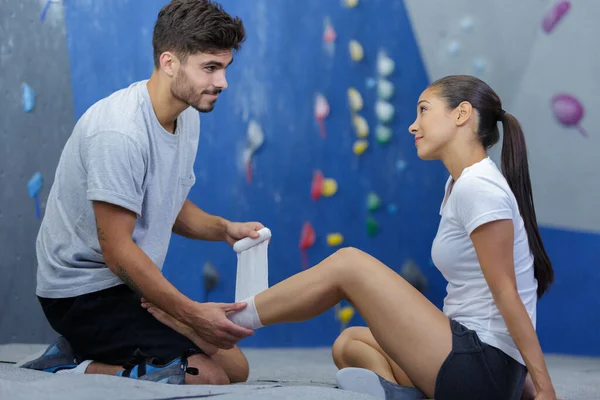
[[179, 327]]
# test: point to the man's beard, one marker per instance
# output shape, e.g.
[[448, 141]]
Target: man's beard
[[182, 90]]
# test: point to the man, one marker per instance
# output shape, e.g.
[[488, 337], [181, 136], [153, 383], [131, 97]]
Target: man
[[120, 191]]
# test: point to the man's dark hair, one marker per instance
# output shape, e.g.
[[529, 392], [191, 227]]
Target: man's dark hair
[[187, 27]]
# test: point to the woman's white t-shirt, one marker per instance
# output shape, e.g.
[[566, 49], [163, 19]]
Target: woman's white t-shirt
[[480, 195]]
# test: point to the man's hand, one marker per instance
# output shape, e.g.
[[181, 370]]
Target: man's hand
[[239, 230], [209, 321]]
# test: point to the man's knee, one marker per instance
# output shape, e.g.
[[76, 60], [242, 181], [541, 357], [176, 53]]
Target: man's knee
[[209, 372], [234, 363]]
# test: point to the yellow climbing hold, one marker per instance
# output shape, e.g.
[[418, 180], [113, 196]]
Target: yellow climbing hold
[[350, 3], [330, 187], [356, 51], [359, 147], [346, 314], [355, 100], [360, 126], [335, 239]]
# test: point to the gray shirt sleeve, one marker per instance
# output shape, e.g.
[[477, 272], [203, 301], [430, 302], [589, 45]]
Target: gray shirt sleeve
[[115, 170]]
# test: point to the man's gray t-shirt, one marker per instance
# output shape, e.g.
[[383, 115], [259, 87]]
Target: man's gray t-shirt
[[120, 154]]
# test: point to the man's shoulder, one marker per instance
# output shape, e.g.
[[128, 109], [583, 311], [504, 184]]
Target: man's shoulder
[[119, 112]]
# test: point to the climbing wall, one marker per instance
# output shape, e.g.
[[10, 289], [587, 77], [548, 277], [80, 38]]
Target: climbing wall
[[298, 58], [37, 118]]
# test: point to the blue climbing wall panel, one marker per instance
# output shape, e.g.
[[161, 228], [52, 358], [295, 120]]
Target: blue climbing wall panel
[[274, 81]]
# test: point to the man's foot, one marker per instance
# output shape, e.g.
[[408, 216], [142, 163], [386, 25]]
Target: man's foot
[[58, 356], [362, 380], [150, 369]]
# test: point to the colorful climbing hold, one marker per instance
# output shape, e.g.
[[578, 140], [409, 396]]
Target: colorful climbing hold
[[400, 165], [335, 239], [360, 126], [28, 98], [360, 146], [355, 100], [392, 209], [330, 187], [372, 227], [255, 138], [412, 274], [350, 3], [383, 134], [479, 66], [554, 15], [356, 50], [568, 111], [211, 278], [345, 315], [307, 239], [329, 34], [384, 110], [453, 48], [385, 89], [466, 24], [385, 65], [34, 186], [321, 112], [316, 187], [370, 82], [373, 201]]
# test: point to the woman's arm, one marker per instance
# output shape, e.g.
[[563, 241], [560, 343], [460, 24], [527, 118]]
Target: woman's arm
[[494, 243]]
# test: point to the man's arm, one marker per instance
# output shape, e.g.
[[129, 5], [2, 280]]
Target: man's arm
[[193, 223], [115, 227]]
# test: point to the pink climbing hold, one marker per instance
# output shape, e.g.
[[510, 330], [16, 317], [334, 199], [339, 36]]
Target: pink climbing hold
[[316, 188], [321, 112], [568, 111], [307, 239], [329, 34], [554, 15]]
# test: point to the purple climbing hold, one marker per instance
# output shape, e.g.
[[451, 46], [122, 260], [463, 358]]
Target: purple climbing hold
[[554, 15], [568, 111]]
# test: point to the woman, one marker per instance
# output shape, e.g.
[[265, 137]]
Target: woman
[[488, 248]]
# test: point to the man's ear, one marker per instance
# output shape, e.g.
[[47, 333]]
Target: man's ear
[[169, 63]]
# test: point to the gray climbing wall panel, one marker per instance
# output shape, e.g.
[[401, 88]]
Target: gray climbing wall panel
[[32, 51]]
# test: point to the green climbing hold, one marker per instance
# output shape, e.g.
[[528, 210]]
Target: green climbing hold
[[373, 202], [383, 134], [371, 227]]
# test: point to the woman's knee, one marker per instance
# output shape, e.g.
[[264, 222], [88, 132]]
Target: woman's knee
[[340, 346], [209, 372]]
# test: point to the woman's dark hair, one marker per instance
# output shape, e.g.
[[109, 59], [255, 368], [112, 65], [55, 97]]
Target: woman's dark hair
[[454, 90], [195, 26]]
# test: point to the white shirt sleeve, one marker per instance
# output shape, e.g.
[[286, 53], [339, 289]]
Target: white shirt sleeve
[[115, 170], [479, 200]]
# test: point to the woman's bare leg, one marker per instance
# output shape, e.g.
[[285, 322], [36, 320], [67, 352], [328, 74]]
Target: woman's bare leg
[[356, 347], [413, 332]]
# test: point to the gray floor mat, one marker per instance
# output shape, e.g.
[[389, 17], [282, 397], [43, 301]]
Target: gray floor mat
[[274, 374]]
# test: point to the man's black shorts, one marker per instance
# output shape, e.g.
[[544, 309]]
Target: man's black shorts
[[110, 326]]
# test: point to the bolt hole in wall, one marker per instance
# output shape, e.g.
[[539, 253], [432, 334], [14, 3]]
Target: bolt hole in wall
[[311, 139]]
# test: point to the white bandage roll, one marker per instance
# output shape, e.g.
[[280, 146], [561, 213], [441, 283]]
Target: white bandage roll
[[253, 265]]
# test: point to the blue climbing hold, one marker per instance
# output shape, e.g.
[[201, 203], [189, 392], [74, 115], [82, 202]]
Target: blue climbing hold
[[28, 98], [35, 185]]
